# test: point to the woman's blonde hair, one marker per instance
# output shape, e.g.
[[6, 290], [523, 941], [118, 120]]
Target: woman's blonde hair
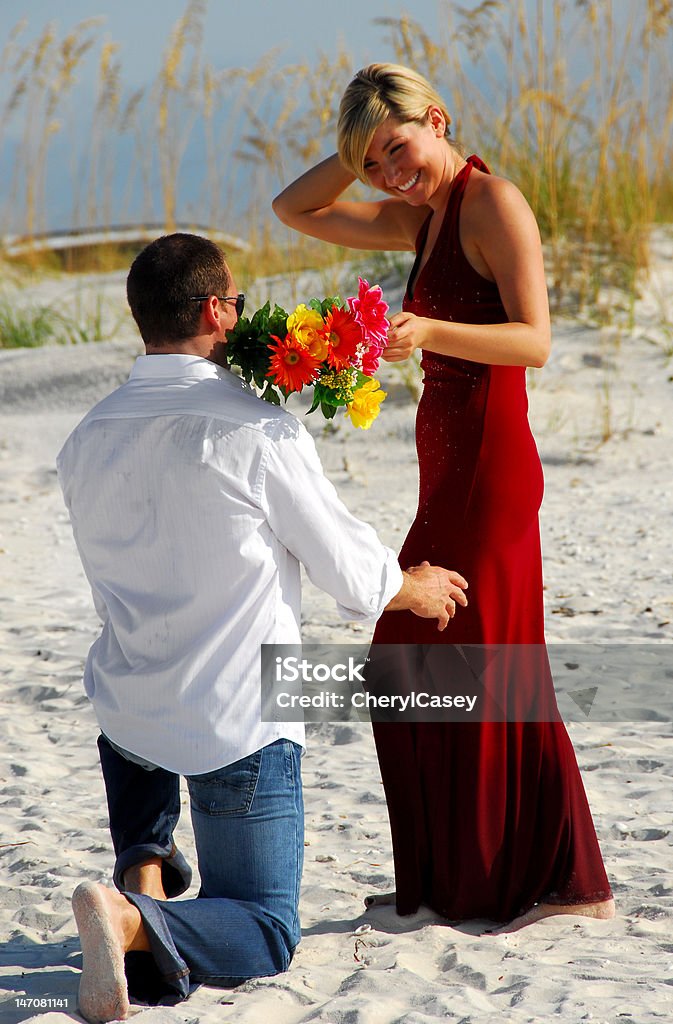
[[377, 92]]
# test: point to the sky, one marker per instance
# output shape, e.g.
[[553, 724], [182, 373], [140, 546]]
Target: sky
[[237, 33]]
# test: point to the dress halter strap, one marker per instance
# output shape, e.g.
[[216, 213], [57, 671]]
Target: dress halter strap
[[476, 161], [460, 181], [458, 189]]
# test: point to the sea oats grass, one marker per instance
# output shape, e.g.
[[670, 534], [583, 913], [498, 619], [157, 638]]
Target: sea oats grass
[[571, 99]]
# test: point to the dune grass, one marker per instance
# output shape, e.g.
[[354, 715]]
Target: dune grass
[[33, 326], [571, 99]]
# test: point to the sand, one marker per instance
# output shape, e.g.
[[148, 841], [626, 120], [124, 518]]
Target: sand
[[601, 412]]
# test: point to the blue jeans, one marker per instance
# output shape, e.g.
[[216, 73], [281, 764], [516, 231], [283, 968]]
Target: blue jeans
[[248, 821]]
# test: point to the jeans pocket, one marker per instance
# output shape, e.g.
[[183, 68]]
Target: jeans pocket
[[228, 790], [292, 761]]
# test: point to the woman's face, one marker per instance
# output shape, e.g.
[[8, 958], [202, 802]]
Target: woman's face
[[408, 160]]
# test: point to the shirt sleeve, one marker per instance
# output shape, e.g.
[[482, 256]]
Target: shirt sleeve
[[64, 476], [341, 554]]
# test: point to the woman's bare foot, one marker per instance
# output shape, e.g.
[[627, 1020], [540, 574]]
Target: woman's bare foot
[[604, 911], [380, 899], [146, 879], [108, 926]]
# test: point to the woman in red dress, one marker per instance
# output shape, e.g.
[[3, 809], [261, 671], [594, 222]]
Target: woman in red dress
[[489, 819]]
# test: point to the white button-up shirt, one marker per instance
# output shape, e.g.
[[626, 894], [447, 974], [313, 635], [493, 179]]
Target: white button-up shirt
[[192, 503]]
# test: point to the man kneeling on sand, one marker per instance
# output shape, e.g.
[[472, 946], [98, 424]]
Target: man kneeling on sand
[[193, 503]]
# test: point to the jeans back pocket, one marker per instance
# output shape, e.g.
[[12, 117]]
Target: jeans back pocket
[[227, 790]]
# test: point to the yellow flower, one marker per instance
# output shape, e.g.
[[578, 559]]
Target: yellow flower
[[366, 404], [305, 326]]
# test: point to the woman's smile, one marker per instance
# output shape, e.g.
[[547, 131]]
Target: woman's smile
[[408, 160], [410, 183]]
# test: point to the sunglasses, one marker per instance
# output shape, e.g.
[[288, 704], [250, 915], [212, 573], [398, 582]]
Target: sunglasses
[[239, 300]]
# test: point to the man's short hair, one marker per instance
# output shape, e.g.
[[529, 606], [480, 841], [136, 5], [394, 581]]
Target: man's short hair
[[162, 279]]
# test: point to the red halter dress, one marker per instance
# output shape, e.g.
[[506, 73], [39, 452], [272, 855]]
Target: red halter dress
[[487, 817]]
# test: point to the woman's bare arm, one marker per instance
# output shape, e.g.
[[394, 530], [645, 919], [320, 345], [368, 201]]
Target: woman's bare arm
[[311, 205]]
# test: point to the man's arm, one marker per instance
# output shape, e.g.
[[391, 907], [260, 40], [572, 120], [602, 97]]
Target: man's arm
[[341, 554], [430, 592]]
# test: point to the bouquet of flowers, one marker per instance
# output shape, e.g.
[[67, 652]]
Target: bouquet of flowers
[[329, 345]]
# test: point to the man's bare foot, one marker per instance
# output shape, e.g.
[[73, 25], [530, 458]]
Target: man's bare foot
[[146, 879], [380, 899], [108, 927], [604, 911]]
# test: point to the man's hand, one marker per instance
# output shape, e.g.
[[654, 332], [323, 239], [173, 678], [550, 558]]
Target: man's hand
[[431, 593]]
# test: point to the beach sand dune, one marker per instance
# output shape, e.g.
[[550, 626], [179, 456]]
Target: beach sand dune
[[601, 411]]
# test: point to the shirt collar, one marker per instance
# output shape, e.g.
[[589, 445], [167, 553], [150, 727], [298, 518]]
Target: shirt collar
[[176, 365]]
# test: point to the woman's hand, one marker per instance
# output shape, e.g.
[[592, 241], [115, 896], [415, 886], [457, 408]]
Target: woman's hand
[[407, 333]]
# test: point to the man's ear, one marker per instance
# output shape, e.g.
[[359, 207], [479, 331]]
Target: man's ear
[[212, 313]]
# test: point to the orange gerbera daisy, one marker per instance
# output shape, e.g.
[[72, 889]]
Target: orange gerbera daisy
[[292, 365], [344, 334]]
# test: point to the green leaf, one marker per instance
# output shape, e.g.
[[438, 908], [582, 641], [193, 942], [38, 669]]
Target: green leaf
[[270, 394], [260, 319], [324, 306], [277, 322], [327, 397], [316, 401]]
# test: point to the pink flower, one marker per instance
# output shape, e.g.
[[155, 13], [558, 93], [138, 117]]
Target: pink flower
[[370, 359], [370, 311]]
